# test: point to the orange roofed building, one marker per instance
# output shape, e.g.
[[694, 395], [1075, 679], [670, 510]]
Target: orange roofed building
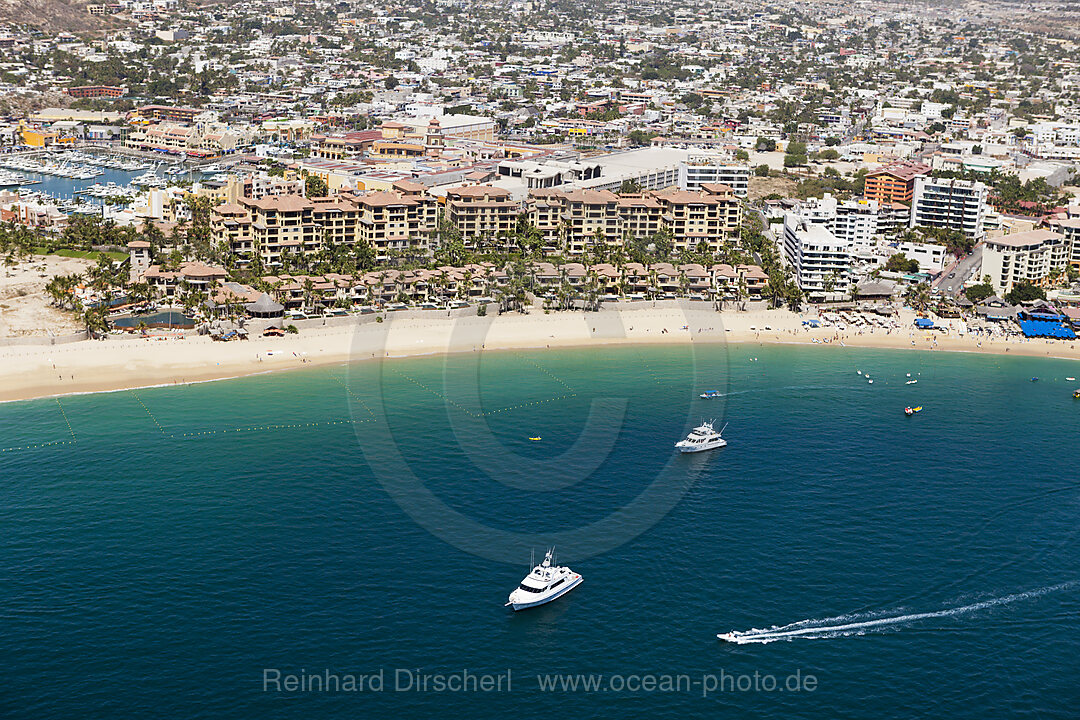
[[894, 183]]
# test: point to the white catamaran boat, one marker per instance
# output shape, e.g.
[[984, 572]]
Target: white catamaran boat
[[701, 438], [546, 582]]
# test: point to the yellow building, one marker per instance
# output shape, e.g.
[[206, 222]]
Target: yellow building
[[44, 138]]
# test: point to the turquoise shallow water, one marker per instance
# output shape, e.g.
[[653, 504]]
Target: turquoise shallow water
[[160, 549]]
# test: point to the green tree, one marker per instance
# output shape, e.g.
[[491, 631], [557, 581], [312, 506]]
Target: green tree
[[795, 154], [978, 293], [94, 320], [640, 137], [315, 186], [902, 264], [1025, 292]]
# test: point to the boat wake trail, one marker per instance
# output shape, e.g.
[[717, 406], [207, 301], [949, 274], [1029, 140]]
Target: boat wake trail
[[862, 623]]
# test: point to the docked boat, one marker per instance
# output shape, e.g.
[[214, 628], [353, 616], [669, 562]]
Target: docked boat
[[545, 583], [148, 179], [703, 437], [912, 410]]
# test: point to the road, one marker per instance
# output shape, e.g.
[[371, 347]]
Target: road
[[961, 271]]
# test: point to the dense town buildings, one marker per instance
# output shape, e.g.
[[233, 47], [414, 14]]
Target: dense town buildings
[[403, 129]]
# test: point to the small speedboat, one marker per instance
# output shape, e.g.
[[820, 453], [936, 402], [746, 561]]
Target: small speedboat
[[912, 410], [911, 382], [1076, 393], [1034, 379], [709, 394], [732, 637], [536, 439]]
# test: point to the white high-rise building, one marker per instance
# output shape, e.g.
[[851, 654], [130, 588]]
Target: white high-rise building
[[821, 261], [852, 221], [1027, 257], [953, 204], [693, 174]]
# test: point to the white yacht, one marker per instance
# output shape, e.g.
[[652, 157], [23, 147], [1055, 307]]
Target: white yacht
[[701, 438], [546, 582]]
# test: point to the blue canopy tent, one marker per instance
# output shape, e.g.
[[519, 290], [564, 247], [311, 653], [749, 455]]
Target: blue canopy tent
[[1046, 328], [924, 323]]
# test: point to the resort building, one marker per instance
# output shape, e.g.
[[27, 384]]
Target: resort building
[[894, 183], [821, 262], [693, 174], [574, 221], [953, 204], [481, 212], [403, 220], [189, 277], [1070, 228], [1030, 257], [282, 224], [854, 221]]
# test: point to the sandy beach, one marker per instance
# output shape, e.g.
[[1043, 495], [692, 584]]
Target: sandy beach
[[25, 309], [131, 362]]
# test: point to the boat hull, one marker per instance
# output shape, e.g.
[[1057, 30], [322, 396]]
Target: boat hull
[[701, 448], [554, 596]]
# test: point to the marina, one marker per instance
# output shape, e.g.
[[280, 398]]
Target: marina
[[81, 181]]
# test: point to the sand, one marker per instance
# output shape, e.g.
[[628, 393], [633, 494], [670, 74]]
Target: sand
[[131, 362], [25, 309]]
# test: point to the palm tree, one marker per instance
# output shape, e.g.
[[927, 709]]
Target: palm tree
[[56, 290], [741, 292], [95, 322], [309, 289], [919, 296]]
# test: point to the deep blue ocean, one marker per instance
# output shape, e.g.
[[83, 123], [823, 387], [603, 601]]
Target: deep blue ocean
[[179, 552]]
